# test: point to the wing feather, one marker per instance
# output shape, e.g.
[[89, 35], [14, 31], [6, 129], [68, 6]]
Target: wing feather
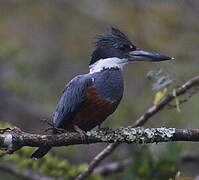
[[72, 97]]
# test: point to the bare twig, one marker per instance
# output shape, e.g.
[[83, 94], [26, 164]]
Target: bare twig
[[113, 167], [139, 122]]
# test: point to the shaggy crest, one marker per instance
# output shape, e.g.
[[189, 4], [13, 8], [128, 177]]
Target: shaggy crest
[[114, 38]]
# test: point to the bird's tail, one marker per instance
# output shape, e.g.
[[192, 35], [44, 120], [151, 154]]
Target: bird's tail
[[40, 152]]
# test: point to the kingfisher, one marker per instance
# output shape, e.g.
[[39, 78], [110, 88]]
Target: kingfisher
[[88, 99]]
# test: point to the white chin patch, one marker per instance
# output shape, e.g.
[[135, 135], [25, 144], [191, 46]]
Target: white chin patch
[[107, 63]]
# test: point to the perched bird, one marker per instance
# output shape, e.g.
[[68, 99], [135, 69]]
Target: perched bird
[[89, 99]]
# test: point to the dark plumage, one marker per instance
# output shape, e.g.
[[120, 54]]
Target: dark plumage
[[112, 44], [114, 38]]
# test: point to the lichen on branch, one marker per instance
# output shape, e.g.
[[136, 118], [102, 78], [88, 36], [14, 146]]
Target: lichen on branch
[[133, 135], [15, 139]]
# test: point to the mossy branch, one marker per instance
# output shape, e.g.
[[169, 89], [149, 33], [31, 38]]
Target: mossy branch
[[15, 139]]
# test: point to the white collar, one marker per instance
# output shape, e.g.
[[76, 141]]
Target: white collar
[[107, 63]]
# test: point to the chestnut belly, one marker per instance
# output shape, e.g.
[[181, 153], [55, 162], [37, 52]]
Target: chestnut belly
[[90, 114]]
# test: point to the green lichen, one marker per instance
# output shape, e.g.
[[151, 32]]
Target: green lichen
[[165, 133], [129, 134], [149, 133], [133, 135]]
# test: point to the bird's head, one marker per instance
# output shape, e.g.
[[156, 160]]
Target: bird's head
[[114, 49]]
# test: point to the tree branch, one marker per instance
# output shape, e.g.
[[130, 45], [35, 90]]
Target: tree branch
[[17, 139], [139, 122]]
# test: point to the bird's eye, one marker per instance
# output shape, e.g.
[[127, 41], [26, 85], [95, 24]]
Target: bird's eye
[[126, 47], [132, 47]]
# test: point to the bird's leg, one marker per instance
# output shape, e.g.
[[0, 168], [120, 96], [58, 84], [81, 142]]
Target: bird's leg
[[81, 132], [53, 128], [60, 130]]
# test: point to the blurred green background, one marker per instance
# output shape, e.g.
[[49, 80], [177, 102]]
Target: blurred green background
[[43, 44]]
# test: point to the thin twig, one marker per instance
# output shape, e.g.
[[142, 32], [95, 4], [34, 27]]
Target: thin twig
[[112, 167]]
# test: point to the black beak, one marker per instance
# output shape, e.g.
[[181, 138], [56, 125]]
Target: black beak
[[141, 55]]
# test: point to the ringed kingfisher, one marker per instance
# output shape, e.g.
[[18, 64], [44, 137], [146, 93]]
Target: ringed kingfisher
[[88, 99]]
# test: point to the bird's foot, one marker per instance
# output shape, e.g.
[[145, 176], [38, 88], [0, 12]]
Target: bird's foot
[[81, 132]]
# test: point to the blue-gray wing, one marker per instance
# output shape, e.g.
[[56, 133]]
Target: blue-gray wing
[[72, 97]]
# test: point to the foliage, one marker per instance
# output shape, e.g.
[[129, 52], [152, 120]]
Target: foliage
[[150, 165], [160, 84], [160, 95], [159, 79], [176, 101], [48, 165]]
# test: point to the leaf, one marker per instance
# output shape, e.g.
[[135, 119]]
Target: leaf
[[160, 79], [176, 101], [162, 82], [160, 95]]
